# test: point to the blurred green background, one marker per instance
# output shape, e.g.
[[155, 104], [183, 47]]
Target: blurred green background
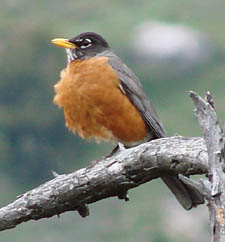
[[34, 140]]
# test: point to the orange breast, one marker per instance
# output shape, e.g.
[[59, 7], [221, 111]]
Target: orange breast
[[94, 105]]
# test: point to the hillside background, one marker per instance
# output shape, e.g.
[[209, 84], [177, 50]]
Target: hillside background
[[34, 140]]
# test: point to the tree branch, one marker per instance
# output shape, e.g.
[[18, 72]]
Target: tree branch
[[107, 178], [214, 138]]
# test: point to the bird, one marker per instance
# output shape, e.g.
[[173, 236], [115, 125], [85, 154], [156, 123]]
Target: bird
[[104, 100]]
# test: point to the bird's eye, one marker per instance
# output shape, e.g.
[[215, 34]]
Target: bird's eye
[[86, 43]]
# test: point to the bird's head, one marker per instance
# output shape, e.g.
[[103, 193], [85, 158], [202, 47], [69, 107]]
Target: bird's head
[[83, 46]]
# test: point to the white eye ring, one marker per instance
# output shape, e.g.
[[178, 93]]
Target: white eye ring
[[87, 44]]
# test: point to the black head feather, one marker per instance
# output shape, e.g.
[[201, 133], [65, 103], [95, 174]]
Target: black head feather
[[89, 44]]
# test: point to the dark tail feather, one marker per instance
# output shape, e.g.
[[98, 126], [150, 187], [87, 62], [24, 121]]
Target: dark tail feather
[[187, 196]]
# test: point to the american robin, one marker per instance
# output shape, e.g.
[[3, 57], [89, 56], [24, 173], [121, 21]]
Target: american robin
[[104, 100]]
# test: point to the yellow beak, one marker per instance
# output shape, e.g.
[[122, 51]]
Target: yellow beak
[[63, 43]]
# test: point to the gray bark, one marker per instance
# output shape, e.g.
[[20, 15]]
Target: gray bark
[[107, 178], [214, 137]]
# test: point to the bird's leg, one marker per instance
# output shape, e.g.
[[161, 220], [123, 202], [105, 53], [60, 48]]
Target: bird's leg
[[119, 147], [94, 162], [115, 149]]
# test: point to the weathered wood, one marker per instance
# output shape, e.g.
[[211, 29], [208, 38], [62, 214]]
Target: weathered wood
[[214, 137], [109, 177]]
